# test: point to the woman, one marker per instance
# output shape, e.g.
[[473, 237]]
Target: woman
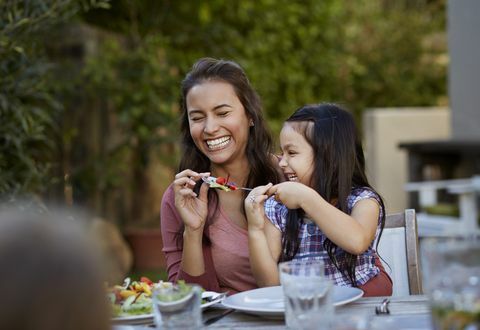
[[224, 135]]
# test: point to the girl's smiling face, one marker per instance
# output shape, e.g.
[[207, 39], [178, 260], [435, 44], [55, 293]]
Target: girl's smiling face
[[218, 122], [297, 154]]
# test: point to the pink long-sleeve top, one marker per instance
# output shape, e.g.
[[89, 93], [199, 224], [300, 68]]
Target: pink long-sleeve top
[[226, 257]]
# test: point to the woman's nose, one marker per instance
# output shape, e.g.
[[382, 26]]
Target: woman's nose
[[211, 126]]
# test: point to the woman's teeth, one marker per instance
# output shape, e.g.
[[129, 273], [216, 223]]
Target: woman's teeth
[[218, 143]]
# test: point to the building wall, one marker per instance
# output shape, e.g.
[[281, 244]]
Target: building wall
[[383, 130], [464, 68]]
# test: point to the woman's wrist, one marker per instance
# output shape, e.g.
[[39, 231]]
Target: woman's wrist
[[193, 234], [255, 231]]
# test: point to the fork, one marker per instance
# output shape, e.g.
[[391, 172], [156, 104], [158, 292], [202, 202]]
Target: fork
[[383, 307], [218, 297]]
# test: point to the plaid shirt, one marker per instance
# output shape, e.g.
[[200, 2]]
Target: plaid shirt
[[312, 238]]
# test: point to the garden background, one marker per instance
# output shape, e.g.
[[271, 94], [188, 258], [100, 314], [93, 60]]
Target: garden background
[[89, 89]]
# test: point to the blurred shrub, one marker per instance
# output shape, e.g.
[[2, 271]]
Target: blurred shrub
[[27, 105], [365, 53], [110, 112]]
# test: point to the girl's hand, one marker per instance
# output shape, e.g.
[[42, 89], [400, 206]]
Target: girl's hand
[[254, 207], [290, 194], [193, 209]]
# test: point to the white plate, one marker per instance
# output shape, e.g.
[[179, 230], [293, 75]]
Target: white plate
[[269, 301], [148, 318]]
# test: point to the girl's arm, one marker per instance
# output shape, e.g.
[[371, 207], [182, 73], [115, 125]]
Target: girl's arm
[[354, 233], [264, 240]]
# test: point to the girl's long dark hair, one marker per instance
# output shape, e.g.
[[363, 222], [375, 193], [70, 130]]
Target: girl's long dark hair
[[339, 167], [260, 144]]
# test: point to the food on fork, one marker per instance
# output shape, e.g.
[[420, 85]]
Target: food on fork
[[220, 183]]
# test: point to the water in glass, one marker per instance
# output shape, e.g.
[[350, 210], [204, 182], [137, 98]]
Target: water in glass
[[452, 276], [178, 307], [308, 295]]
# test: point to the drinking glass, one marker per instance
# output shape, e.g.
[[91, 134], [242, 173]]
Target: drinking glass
[[178, 306], [307, 293], [452, 279]]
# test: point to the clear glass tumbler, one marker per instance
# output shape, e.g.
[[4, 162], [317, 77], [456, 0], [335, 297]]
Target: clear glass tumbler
[[451, 270], [307, 294], [178, 307]]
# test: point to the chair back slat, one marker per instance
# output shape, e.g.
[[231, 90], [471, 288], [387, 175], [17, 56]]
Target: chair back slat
[[408, 221]]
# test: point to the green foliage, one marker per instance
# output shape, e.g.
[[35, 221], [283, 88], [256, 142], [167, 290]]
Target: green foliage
[[27, 107], [141, 88], [366, 53]]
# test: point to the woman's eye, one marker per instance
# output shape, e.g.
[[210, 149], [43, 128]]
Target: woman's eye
[[223, 114], [195, 119]]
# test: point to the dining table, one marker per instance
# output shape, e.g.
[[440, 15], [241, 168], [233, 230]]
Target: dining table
[[405, 312]]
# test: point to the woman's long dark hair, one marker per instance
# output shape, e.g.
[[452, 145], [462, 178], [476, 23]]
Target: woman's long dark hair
[[260, 144], [339, 167]]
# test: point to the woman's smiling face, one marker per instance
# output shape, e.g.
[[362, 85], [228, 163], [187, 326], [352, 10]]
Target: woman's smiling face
[[218, 122]]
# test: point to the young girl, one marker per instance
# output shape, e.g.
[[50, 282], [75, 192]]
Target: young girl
[[326, 204]]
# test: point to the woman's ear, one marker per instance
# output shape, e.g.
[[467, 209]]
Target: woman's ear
[[251, 123]]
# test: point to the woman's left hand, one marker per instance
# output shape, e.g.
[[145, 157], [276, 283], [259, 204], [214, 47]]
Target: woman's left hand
[[290, 194], [254, 207]]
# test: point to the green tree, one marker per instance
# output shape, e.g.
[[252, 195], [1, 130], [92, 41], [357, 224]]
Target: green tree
[[364, 53], [27, 105]]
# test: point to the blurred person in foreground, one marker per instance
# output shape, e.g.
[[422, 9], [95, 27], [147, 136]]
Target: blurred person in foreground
[[50, 275]]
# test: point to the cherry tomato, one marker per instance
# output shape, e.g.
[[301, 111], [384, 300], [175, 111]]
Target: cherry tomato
[[146, 280], [221, 180]]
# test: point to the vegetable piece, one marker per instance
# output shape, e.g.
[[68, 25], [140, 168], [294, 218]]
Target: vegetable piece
[[145, 279], [127, 293]]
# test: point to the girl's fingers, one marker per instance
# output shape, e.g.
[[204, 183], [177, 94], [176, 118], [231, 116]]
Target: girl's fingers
[[258, 192], [272, 190]]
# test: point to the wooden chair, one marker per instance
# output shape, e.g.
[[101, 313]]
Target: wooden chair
[[400, 252]]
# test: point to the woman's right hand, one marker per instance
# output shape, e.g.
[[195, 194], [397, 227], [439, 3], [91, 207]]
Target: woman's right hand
[[193, 209]]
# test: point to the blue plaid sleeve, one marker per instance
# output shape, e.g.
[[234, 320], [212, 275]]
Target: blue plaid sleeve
[[276, 213], [361, 194]]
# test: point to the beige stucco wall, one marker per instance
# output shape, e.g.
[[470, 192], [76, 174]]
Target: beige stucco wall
[[383, 130]]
